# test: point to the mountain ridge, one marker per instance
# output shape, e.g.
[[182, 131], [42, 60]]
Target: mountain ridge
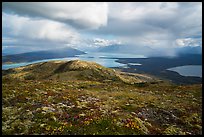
[[73, 70], [39, 55]]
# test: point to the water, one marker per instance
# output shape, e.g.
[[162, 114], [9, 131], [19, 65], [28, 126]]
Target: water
[[134, 64], [15, 65], [188, 70], [104, 59]]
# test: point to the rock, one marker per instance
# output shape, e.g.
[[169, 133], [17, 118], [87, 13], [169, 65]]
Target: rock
[[42, 125], [139, 114], [131, 100], [82, 115], [133, 113], [141, 124], [48, 109], [54, 118], [173, 130], [114, 112]]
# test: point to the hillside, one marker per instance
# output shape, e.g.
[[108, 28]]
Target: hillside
[[40, 55], [73, 70], [84, 98]]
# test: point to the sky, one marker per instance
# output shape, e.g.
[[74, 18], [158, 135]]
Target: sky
[[151, 27]]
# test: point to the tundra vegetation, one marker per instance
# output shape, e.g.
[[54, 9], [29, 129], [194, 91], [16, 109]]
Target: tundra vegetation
[[83, 98]]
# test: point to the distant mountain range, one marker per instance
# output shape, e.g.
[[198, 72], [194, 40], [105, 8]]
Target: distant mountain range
[[189, 50], [147, 50], [127, 49], [39, 55], [111, 48]]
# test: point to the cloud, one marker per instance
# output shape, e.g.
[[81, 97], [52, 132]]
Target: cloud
[[24, 30], [134, 11], [103, 42], [92, 44], [9, 40], [157, 27], [144, 18], [192, 42], [80, 15]]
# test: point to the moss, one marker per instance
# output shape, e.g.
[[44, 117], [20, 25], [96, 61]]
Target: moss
[[30, 77], [173, 130], [142, 125], [141, 84], [97, 107], [129, 107]]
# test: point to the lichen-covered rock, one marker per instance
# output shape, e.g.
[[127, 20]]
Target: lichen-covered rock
[[173, 130], [141, 125]]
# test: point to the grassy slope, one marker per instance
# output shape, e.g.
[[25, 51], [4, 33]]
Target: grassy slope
[[73, 70], [99, 107]]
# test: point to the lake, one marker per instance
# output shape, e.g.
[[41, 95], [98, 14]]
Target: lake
[[188, 70], [104, 59]]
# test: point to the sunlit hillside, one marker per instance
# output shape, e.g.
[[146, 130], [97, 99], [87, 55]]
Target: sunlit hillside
[[102, 104]]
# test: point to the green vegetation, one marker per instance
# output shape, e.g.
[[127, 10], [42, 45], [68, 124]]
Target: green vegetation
[[142, 84], [89, 107]]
